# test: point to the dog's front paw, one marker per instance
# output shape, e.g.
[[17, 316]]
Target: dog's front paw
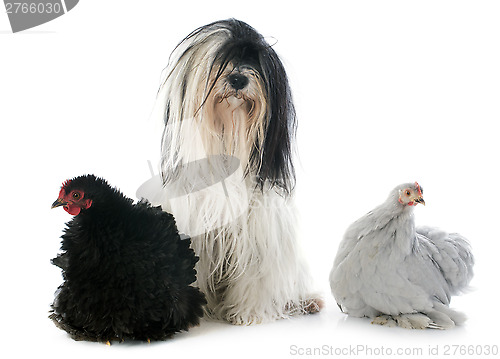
[[239, 319], [306, 306], [311, 306]]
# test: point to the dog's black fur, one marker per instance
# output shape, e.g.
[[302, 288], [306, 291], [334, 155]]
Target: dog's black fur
[[127, 272]]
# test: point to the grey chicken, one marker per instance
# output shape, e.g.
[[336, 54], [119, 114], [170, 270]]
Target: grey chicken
[[389, 270]]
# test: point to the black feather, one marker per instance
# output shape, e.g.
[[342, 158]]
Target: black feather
[[127, 272]]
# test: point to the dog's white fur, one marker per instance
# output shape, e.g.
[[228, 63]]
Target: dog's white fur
[[250, 268]]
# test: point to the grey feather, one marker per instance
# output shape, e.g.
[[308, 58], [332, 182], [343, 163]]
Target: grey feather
[[386, 267]]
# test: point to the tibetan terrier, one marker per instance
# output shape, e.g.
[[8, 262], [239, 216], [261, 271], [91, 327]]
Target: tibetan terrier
[[227, 172]]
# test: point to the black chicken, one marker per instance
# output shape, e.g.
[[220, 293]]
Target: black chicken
[[126, 270]]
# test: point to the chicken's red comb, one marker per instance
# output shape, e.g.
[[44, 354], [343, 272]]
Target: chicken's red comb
[[419, 189], [65, 183], [62, 192]]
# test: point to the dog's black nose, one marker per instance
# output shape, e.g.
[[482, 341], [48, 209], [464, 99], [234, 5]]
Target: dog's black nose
[[237, 81]]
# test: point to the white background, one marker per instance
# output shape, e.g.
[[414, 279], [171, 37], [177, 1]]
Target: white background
[[386, 92]]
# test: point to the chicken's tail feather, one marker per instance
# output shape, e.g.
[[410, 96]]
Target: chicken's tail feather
[[452, 254]]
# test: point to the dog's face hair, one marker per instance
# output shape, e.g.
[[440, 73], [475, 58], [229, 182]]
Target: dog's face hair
[[227, 73]]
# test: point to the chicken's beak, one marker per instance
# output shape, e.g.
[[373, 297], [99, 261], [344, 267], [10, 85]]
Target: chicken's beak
[[59, 202], [420, 200]]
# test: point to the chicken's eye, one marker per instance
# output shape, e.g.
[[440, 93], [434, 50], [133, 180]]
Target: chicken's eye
[[408, 192], [76, 195]]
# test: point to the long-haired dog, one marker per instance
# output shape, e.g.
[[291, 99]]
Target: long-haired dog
[[228, 175]]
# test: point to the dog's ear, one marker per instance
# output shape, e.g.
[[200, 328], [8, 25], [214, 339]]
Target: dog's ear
[[274, 161]]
